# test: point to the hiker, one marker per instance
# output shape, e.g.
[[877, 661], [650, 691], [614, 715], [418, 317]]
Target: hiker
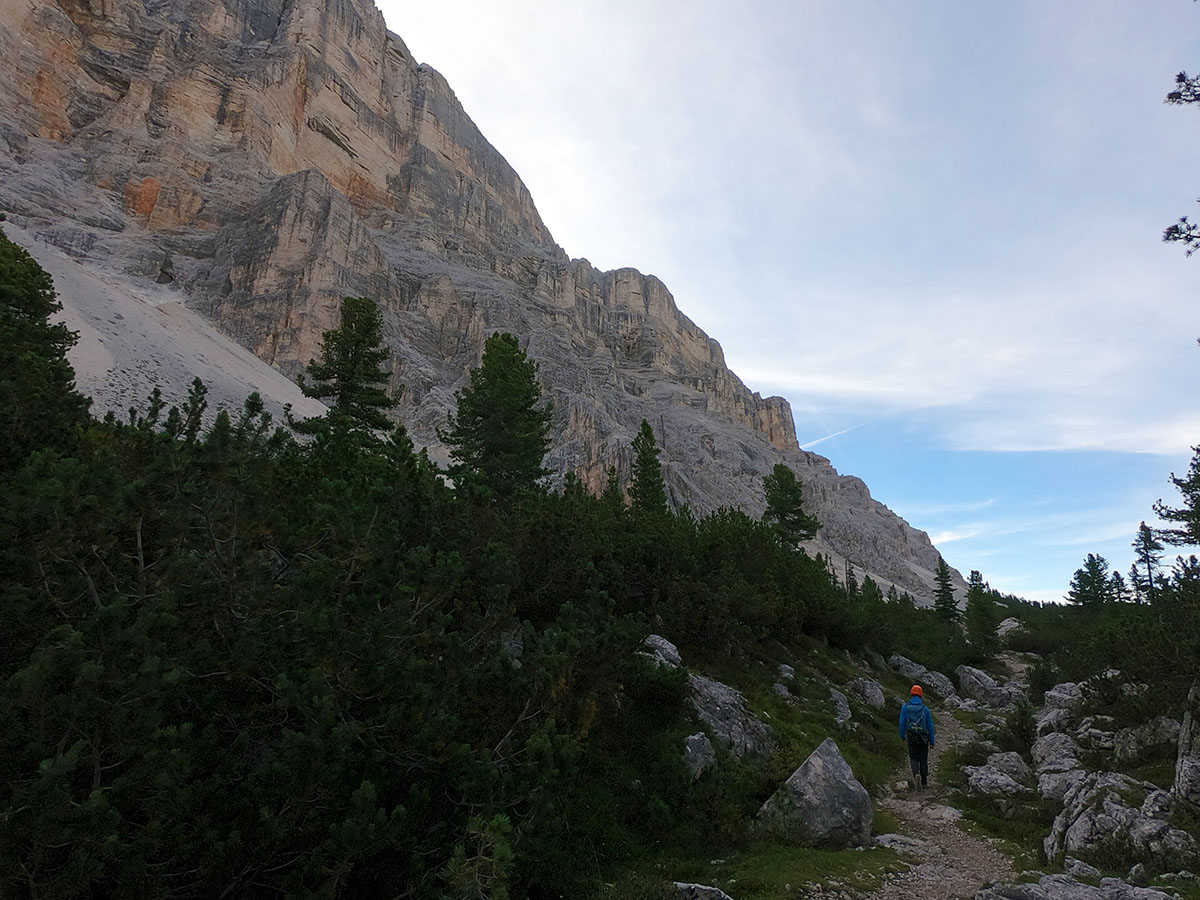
[[916, 727]]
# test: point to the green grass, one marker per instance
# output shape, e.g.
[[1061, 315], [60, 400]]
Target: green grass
[[761, 872]]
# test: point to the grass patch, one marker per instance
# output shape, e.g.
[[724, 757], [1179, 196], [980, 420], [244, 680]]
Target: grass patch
[[762, 872]]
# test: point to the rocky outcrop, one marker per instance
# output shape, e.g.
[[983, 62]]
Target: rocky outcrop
[[1109, 808], [822, 804], [662, 651], [1066, 887], [1187, 760], [979, 685], [1130, 743], [261, 159], [723, 709]]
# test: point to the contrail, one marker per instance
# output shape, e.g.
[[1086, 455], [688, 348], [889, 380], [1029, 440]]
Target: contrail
[[829, 437]]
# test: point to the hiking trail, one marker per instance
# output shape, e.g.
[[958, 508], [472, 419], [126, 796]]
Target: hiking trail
[[945, 861]]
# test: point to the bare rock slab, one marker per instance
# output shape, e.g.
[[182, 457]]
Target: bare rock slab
[[822, 804]]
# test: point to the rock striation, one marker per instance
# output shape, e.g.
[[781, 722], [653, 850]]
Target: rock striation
[[261, 159]]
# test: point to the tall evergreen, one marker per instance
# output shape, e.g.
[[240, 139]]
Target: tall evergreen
[[785, 507], [943, 593], [500, 434], [349, 373], [1187, 516], [1147, 549], [1091, 585], [981, 616], [648, 490], [39, 405]]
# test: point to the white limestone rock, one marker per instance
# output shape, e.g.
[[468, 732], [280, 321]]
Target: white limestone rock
[[822, 804]]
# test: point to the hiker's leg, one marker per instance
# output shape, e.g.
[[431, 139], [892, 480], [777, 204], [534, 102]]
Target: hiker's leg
[[924, 765]]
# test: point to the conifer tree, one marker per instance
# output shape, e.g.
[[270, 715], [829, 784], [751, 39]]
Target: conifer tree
[[39, 405], [1118, 590], [943, 594], [1187, 516], [893, 595], [1091, 585], [648, 490], [785, 507], [500, 435], [349, 373], [981, 616], [1148, 553]]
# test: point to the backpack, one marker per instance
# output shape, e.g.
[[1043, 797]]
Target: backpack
[[916, 733]]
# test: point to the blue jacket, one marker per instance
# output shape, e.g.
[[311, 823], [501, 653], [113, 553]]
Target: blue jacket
[[912, 711]]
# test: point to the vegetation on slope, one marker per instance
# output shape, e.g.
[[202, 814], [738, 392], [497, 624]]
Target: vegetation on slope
[[242, 663]]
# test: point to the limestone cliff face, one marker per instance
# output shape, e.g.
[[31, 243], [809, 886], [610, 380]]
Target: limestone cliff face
[[272, 156]]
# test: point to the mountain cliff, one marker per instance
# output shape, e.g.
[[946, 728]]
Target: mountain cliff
[[257, 160]]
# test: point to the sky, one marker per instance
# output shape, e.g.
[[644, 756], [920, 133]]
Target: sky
[[934, 227]]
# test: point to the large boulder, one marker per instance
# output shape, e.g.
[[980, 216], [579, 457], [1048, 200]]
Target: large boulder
[[1067, 695], [992, 782], [822, 804], [1107, 807], [1130, 743], [1055, 752], [723, 709], [1012, 765], [942, 686], [1056, 785], [662, 651], [906, 667], [871, 692], [1187, 759]]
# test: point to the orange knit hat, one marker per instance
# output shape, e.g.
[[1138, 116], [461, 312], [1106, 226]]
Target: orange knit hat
[[918, 690]]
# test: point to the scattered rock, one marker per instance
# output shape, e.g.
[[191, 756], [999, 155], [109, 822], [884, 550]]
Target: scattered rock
[[662, 651], [699, 754], [841, 706], [1052, 719], [901, 843], [1079, 869], [1138, 875], [786, 672], [1012, 765], [906, 667], [917, 673], [700, 892], [822, 804], [870, 691], [782, 690], [959, 703], [724, 711]]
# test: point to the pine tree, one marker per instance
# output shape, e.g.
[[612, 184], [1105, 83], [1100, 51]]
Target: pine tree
[[943, 594], [893, 595], [500, 435], [1186, 517], [1118, 590], [349, 374], [1148, 553], [1091, 585], [981, 616], [785, 507], [39, 405], [648, 490]]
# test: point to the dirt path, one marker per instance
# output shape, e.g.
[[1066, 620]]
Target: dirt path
[[946, 862]]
